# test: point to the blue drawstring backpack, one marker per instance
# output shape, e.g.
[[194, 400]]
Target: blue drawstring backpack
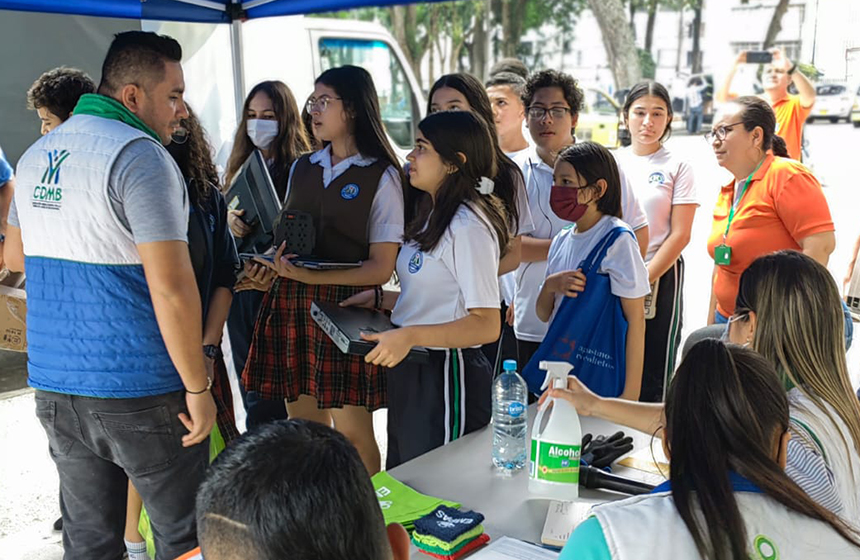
[[588, 331]]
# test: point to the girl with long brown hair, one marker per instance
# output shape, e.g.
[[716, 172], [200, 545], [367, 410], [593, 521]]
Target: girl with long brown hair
[[271, 123]]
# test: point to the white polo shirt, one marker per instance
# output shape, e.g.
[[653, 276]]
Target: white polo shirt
[[530, 275], [459, 274]]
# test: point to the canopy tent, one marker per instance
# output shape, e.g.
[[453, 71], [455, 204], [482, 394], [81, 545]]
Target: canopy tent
[[196, 11], [199, 11]]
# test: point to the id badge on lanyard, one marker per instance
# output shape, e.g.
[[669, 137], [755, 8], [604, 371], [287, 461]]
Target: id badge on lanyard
[[723, 252]]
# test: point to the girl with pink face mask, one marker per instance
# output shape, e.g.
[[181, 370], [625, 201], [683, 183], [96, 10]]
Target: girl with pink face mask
[[587, 191]]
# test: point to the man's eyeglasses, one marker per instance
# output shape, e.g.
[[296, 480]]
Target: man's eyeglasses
[[554, 112], [319, 105], [720, 132]]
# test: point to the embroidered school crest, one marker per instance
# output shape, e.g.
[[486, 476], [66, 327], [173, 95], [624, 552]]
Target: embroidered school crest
[[349, 192], [416, 262]]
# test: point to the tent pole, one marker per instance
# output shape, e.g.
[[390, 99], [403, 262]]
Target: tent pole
[[236, 52]]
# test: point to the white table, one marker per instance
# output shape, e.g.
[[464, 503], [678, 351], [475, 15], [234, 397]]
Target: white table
[[463, 472]]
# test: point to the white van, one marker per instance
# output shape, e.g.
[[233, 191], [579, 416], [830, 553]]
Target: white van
[[293, 49]]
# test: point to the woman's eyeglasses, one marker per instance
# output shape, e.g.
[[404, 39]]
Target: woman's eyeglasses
[[720, 132]]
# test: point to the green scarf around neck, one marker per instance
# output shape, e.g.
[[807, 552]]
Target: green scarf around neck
[[108, 108]]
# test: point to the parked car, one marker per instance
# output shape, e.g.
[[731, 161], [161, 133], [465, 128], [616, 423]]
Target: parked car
[[600, 120], [855, 110], [832, 102]]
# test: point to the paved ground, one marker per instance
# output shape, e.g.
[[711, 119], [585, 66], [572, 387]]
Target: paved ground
[[28, 481]]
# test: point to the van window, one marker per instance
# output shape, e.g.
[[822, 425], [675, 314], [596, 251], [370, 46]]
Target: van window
[[392, 85]]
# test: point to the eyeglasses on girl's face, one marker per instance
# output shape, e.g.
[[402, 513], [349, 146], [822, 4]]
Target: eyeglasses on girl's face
[[319, 105]]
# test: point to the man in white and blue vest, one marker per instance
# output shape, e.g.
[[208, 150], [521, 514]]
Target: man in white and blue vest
[[100, 221]]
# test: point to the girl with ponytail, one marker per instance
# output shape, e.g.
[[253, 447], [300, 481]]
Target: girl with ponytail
[[728, 496]]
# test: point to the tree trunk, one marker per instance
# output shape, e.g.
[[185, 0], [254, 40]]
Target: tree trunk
[[618, 42], [649, 27], [632, 7], [513, 17], [775, 24], [697, 29], [478, 52], [404, 27]]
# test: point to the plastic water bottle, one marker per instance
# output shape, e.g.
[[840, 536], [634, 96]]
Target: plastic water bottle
[[510, 419]]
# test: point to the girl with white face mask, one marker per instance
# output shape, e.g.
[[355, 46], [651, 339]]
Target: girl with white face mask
[[271, 123]]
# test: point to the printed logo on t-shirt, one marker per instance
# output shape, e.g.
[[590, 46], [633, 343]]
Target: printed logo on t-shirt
[[349, 192], [656, 178], [416, 262]]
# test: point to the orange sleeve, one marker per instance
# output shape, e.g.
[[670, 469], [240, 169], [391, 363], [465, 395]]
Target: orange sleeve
[[802, 112], [802, 207]]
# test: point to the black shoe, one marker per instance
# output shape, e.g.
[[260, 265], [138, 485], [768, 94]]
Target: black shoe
[[58, 524]]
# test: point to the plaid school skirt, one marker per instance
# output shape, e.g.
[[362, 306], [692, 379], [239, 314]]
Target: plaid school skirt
[[223, 397], [291, 356]]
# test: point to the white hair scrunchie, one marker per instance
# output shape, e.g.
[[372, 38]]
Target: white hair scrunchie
[[485, 186]]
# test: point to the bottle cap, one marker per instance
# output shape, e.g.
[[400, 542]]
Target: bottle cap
[[509, 365]]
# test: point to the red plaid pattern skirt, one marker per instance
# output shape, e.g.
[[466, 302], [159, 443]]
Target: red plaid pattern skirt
[[223, 397], [291, 356]]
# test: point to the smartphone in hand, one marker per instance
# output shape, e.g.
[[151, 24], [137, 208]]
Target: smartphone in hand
[[759, 57]]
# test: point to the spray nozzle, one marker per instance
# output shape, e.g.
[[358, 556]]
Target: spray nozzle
[[556, 374]]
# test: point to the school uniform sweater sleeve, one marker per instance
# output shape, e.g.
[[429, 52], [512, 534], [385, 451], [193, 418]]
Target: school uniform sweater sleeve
[[586, 543]]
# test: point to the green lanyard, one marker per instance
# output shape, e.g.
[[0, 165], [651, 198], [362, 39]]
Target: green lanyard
[[740, 198]]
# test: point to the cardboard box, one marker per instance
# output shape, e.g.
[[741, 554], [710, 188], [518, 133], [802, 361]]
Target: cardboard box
[[13, 319]]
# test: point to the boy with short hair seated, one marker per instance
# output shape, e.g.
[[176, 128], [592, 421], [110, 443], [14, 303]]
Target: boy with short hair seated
[[293, 489]]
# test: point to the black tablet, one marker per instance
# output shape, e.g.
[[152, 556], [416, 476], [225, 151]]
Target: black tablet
[[253, 191]]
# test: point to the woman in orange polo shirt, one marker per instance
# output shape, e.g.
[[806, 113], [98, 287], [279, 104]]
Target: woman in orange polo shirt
[[773, 203]]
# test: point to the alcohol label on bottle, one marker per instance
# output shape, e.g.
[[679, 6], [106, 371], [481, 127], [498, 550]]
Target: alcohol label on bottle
[[554, 462]]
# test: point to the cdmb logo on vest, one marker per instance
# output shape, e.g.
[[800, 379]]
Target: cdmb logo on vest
[[46, 195]]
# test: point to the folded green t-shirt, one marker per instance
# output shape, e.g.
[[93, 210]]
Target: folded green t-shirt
[[400, 503], [447, 547]]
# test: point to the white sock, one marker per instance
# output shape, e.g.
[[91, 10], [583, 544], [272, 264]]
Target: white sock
[[136, 550]]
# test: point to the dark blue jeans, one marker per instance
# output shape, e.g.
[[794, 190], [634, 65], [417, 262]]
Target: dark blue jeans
[[99, 445]]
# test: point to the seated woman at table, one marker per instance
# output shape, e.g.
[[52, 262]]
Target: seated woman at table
[[726, 434], [449, 298], [788, 310]]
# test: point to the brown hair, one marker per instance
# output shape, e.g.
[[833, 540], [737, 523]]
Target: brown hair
[[291, 142], [58, 91]]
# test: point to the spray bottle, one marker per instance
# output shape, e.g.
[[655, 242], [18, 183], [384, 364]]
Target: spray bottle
[[555, 449]]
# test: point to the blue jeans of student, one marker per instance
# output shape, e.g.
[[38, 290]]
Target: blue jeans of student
[[695, 116], [99, 445]]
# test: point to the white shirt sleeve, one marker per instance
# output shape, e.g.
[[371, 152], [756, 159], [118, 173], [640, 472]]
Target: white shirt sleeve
[[684, 188], [623, 262], [631, 210], [476, 264], [387, 215], [525, 224]]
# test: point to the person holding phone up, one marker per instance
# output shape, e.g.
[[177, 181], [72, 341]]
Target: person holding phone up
[[791, 110]]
